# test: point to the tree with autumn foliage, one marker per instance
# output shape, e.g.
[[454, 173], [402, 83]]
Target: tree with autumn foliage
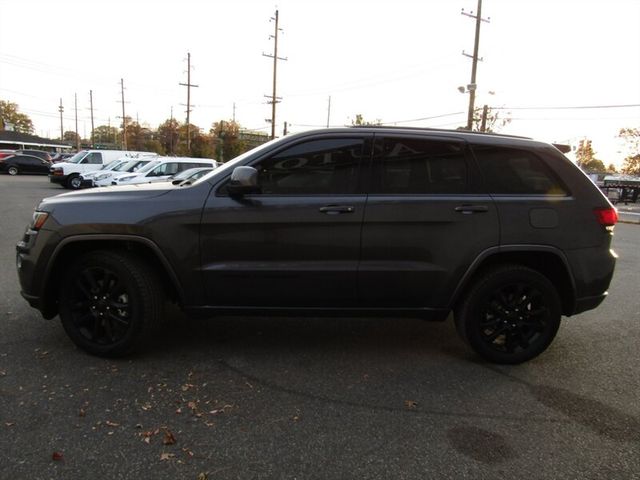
[[226, 139], [631, 136], [12, 119], [586, 158]]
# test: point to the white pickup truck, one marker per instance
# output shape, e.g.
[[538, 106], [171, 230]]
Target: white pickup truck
[[68, 173]]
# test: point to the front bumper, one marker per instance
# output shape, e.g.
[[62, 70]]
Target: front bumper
[[59, 179]]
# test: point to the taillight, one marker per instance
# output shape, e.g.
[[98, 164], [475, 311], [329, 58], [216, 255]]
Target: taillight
[[607, 217]]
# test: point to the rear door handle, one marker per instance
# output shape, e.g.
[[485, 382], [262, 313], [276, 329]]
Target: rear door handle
[[471, 209], [337, 209]]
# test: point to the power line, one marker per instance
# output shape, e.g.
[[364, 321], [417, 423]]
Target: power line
[[574, 107]]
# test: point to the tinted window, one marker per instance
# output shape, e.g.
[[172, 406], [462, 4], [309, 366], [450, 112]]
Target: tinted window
[[416, 166], [513, 171], [314, 167]]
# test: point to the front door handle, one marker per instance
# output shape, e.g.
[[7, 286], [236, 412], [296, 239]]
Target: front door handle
[[337, 209], [471, 209]]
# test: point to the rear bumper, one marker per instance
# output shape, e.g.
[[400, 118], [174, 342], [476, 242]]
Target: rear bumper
[[588, 303]]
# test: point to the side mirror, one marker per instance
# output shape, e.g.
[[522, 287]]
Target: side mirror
[[244, 180]]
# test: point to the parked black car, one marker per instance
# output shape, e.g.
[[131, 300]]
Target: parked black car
[[504, 232], [16, 164], [35, 153]]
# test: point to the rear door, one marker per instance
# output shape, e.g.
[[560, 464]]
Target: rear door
[[296, 243], [425, 222]]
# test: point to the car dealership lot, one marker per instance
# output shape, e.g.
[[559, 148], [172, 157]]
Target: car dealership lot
[[315, 398]]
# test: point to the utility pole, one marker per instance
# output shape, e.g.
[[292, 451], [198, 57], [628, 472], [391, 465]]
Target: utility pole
[[483, 124], [234, 112], [61, 109], [124, 118], [472, 87], [75, 97], [188, 85], [171, 133], [274, 98], [329, 111], [92, 127]]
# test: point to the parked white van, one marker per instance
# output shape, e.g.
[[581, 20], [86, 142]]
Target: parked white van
[[68, 173], [162, 168]]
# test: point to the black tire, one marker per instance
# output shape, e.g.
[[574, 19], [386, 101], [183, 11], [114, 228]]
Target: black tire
[[511, 314], [108, 300], [13, 170], [74, 182]]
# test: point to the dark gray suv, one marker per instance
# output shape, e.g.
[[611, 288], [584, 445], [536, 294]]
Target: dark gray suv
[[504, 232]]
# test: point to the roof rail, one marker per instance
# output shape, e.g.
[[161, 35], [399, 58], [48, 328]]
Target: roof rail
[[428, 129]]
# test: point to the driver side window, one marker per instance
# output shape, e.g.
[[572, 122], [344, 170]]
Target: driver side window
[[328, 166]]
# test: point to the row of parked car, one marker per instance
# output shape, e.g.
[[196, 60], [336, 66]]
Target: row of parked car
[[99, 168]]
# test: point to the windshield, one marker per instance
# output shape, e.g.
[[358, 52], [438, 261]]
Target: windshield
[[130, 166], [77, 158], [112, 164], [148, 166]]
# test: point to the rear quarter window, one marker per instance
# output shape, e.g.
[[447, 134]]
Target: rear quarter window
[[514, 171]]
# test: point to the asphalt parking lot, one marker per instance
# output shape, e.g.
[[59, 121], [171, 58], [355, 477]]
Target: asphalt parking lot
[[289, 398]]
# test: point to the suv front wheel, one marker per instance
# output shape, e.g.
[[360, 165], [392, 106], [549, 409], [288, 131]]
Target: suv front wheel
[[108, 300], [510, 315]]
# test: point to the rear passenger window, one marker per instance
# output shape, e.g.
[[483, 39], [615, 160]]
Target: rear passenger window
[[417, 166], [94, 158], [513, 171]]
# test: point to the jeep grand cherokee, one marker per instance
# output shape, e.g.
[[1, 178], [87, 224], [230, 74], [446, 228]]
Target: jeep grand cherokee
[[504, 232]]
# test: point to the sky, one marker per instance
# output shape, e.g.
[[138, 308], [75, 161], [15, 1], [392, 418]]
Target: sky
[[400, 62]]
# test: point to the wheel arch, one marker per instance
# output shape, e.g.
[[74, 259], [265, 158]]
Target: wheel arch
[[72, 247], [549, 261]]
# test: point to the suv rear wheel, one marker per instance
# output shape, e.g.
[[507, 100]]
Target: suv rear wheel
[[510, 315], [107, 301]]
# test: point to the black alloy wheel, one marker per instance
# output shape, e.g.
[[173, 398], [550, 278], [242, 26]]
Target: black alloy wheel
[[107, 300], [511, 315]]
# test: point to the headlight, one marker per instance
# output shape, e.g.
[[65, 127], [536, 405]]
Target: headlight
[[103, 176], [38, 220]]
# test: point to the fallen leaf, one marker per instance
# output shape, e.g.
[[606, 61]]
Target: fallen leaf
[[410, 404], [166, 456], [188, 452], [169, 438], [3, 373], [179, 410], [9, 424], [147, 440], [82, 413], [57, 456], [192, 405], [109, 423], [202, 476]]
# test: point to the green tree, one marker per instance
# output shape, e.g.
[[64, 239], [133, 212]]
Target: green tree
[[181, 148], [168, 135], [71, 137], [10, 118], [137, 136], [494, 122], [631, 136], [106, 135], [586, 158], [359, 121], [226, 139]]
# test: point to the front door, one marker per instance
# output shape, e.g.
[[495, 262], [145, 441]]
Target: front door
[[297, 242]]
